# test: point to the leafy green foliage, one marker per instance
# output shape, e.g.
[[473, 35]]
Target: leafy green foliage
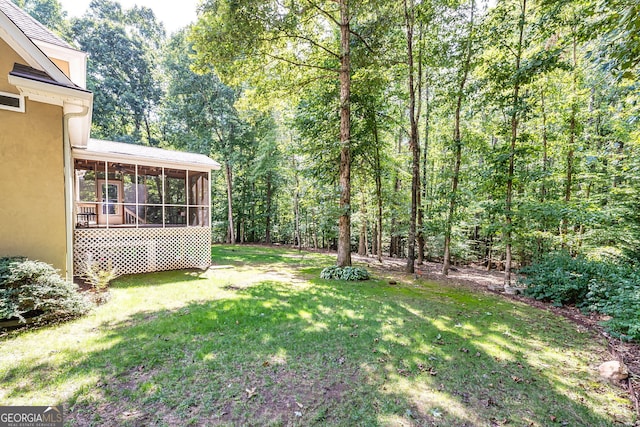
[[600, 286], [99, 278], [49, 13], [34, 286], [121, 69], [344, 273]]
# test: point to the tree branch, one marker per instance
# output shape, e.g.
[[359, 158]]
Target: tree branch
[[369, 48], [324, 12], [301, 37], [300, 64]]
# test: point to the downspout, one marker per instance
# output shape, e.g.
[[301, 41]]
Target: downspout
[[68, 189]]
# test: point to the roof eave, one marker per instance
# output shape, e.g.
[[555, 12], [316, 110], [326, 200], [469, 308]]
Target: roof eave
[[86, 154], [51, 93]]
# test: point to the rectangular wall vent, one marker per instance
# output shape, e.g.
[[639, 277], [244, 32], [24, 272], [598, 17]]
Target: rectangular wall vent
[[11, 102]]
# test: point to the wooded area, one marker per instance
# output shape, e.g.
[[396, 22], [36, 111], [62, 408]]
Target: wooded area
[[443, 130]]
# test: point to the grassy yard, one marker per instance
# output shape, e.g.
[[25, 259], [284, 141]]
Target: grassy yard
[[266, 342]]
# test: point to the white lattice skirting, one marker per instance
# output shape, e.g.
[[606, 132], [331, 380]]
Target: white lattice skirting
[[143, 250]]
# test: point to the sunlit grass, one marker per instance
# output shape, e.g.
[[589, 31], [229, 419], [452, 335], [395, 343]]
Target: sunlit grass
[[266, 342]]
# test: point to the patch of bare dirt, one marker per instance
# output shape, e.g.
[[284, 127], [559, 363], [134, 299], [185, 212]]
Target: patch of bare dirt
[[485, 281]]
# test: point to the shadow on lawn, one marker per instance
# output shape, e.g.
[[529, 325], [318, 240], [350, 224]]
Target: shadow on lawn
[[329, 354]]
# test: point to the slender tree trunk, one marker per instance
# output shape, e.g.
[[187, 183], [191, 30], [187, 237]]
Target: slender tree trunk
[[267, 225], [545, 148], [457, 140], [229, 174], [394, 244], [344, 234], [374, 240], [420, 213], [413, 141], [362, 241], [378, 195], [545, 165], [296, 208], [147, 129], [512, 151], [423, 197], [572, 139]]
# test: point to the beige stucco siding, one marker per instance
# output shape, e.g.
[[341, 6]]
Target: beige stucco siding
[[32, 220], [63, 65], [7, 58]]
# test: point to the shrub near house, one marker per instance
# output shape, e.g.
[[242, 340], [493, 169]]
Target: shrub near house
[[33, 288]]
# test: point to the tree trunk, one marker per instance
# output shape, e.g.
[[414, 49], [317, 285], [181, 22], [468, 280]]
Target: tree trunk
[[344, 226], [545, 148], [457, 140], [572, 139], [378, 236], [512, 151], [362, 243], [229, 174], [423, 197], [413, 141], [267, 225], [296, 209]]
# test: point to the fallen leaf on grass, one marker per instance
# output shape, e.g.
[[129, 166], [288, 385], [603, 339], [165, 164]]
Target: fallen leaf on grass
[[488, 402], [464, 350], [250, 392], [516, 379], [300, 405], [404, 372]]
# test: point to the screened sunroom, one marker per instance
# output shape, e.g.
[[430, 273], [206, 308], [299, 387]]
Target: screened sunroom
[[141, 208]]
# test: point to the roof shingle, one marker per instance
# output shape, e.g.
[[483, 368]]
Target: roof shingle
[[29, 26], [150, 154]]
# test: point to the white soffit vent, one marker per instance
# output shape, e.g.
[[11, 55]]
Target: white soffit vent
[[11, 102]]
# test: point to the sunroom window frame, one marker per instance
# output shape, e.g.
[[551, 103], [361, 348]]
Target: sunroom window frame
[[104, 165]]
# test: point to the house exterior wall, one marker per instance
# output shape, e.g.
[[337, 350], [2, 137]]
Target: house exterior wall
[[32, 209], [63, 65]]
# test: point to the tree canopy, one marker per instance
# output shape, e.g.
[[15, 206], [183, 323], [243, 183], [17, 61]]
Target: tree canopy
[[442, 130]]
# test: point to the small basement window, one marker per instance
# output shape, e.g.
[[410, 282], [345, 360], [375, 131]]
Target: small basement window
[[11, 102]]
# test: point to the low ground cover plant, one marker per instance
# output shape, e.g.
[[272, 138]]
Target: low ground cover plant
[[344, 273], [99, 278], [35, 288], [601, 286]]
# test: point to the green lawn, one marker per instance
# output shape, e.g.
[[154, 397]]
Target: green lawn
[[266, 342]]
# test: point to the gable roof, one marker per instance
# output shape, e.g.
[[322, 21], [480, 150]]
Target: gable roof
[[119, 151], [29, 26], [26, 47]]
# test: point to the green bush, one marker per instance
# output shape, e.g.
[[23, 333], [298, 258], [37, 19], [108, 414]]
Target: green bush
[[35, 287], [601, 286], [344, 273]]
